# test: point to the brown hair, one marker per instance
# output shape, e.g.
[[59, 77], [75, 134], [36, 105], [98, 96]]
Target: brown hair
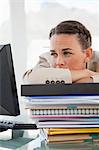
[[73, 27]]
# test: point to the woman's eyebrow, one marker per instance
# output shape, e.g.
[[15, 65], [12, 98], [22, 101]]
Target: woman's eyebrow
[[65, 49], [52, 50]]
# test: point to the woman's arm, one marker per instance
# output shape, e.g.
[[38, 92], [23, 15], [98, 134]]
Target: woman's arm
[[47, 75], [84, 75], [42, 75], [44, 71], [85, 80]]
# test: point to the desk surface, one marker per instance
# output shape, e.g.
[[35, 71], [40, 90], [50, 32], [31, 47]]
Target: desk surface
[[27, 143]]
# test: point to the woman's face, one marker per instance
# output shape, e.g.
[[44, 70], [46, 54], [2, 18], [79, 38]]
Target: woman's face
[[67, 52]]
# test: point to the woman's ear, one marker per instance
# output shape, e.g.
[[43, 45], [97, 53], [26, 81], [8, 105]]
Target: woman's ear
[[89, 53]]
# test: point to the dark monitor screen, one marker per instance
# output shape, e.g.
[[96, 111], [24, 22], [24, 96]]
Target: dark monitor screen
[[8, 92]]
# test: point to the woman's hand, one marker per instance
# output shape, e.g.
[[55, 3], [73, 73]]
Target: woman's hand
[[82, 75]]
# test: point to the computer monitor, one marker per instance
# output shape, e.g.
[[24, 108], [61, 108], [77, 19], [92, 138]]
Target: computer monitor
[[9, 104]]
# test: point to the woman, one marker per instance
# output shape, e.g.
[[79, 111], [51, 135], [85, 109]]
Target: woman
[[68, 59]]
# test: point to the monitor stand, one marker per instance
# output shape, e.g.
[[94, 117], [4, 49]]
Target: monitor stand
[[10, 134], [6, 134]]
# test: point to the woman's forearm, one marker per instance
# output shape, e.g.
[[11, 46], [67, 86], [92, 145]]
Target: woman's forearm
[[82, 74], [40, 75], [85, 80]]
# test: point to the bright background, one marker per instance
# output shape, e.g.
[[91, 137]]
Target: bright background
[[26, 25]]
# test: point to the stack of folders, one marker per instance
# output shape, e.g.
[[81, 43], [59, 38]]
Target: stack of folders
[[65, 119], [73, 135]]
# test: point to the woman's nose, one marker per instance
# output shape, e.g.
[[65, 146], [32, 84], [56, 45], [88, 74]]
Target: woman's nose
[[59, 62]]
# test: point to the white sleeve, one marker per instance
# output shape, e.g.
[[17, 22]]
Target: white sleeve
[[45, 61], [48, 75], [95, 78]]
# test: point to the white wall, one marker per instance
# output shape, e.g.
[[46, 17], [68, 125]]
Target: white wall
[[42, 15]]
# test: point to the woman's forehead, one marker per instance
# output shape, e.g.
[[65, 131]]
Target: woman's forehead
[[63, 41]]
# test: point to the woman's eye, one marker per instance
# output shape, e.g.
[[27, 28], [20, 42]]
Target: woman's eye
[[54, 54], [67, 53]]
